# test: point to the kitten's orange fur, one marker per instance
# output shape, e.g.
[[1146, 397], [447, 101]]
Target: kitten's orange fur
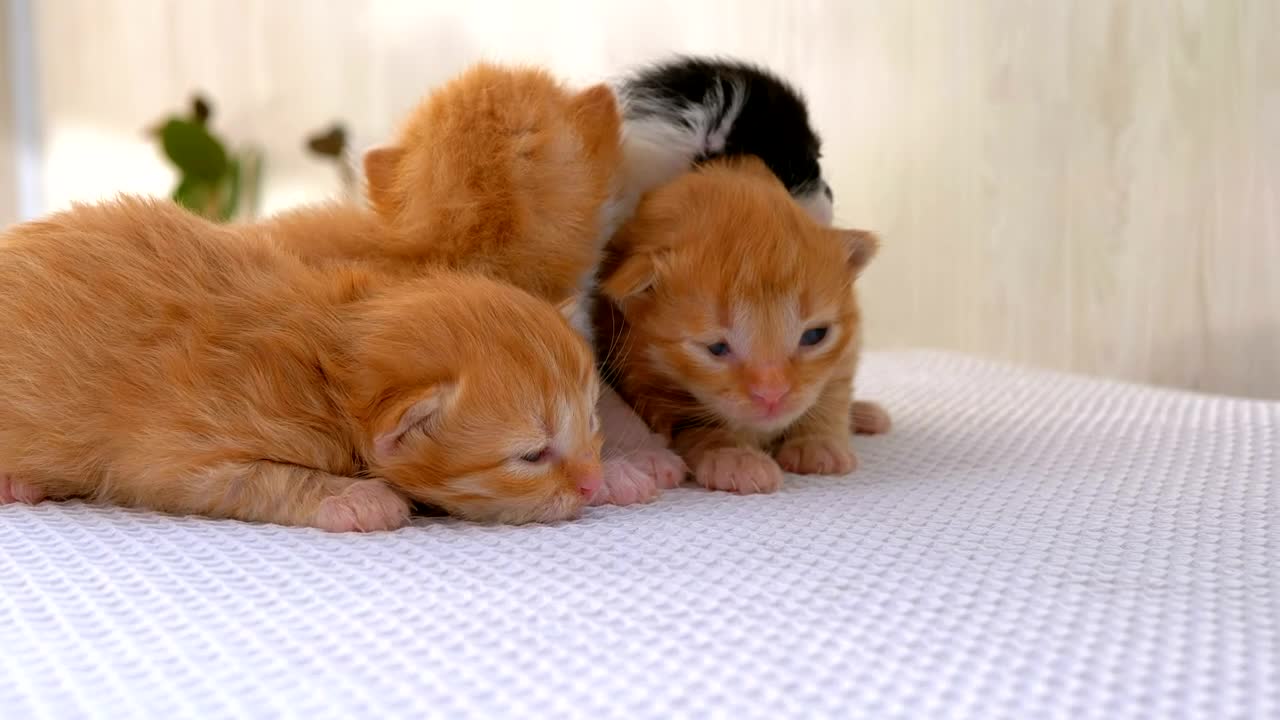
[[507, 172], [722, 255], [153, 359], [500, 170]]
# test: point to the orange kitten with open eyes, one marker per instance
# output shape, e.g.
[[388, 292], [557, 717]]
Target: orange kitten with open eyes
[[735, 327], [503, 171], [153, 359]]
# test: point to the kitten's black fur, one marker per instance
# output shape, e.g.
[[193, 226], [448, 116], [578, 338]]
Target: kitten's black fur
[[690, 109]]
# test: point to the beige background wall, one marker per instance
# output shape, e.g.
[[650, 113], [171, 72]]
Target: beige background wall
[[1086, 185], [8, 133]]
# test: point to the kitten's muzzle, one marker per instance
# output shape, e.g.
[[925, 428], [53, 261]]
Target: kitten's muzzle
[[768, 389], [585, 472]]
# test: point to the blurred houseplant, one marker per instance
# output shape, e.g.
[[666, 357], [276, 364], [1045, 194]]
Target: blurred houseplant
[[332, 145], [213, 181]]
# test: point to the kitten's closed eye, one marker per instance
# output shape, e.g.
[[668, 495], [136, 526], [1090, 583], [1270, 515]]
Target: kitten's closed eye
[[537, 456], [813, 336]]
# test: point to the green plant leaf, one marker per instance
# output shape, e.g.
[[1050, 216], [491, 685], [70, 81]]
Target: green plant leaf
[[193, 194], [196, 153], [231, 200], [251, 164]]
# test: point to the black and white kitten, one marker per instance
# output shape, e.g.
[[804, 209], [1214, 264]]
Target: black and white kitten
[[686, 110]]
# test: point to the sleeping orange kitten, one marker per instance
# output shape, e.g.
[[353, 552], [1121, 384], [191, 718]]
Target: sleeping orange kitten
[[150, 358], [503, 171], [735, 328]]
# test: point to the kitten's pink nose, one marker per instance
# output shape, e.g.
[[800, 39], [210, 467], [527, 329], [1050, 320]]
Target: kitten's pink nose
[[587, 474], [768, 396], [589, 484]]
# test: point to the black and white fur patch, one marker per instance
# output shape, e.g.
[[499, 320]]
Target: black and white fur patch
[[691, 109]]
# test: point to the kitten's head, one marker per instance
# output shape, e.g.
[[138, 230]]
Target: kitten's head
[[510, 160], [736, 295], [477, 398]]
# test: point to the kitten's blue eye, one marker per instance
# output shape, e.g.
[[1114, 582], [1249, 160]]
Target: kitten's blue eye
[[537, 456], [719, 349], [813, 336]]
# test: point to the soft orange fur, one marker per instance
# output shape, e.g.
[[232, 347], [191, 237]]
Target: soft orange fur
[[724, 255], [501, 170], [505, 171], [153, 359]]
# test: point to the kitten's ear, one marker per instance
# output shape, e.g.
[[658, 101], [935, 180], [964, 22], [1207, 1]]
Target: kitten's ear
[[422, 412], [861, 246], [631, 277], [380, 165], [596, 103], [596, 114]]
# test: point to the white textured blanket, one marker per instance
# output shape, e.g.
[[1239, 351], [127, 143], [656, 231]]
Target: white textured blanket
[[1023, 545]]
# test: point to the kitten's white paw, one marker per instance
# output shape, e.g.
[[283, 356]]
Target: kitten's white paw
[[740, 470], [868, 418], [667, 468], [14, 490], [817, 456], [625, 483], [365, 506]]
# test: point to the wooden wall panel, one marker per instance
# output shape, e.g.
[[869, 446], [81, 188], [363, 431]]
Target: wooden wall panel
[[1091, 186]]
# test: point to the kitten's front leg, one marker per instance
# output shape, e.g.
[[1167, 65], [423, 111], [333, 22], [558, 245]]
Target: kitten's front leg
[[286, 494], [720, 462], [637, 465], [818, 443]]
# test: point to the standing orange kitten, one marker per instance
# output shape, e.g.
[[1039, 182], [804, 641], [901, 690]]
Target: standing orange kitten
[[734, 326], [153, 359], [503, 171]]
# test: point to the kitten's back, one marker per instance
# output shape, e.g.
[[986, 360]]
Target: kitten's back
[[124, 332]]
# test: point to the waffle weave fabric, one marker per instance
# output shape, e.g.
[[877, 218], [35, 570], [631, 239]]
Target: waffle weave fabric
[[1022, 545]]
